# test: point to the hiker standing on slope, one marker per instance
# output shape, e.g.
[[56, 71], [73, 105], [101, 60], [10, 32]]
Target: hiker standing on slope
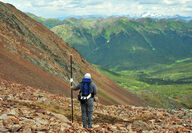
[[86, 97]]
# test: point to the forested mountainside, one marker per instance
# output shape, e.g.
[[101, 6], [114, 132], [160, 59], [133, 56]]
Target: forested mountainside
[[125, 43]]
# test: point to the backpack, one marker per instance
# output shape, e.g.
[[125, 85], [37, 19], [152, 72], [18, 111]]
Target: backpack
[[85, 87], [85, 92]]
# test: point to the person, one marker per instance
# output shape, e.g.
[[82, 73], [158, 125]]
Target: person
[[88, 90]]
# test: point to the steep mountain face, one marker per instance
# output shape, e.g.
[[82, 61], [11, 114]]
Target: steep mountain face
[[123, 43], [32, 55]]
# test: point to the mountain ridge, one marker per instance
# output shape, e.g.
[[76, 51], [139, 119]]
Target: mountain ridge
[[132, 41], [143, 15], [26, 40]]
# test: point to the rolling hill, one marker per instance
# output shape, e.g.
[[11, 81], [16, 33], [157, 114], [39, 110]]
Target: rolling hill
[[33, 55]]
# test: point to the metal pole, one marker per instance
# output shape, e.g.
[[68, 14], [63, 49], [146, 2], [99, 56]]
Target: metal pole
[[71, 86]]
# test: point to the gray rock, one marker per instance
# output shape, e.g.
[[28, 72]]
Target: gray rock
[[15, 128], [13, 112], [141, 124], [185, 117], [4, 117], [113, 128], [42, 99], [61, 117], [27, 130], [3, 130], [40, 121], [65, 126], [173, 111]]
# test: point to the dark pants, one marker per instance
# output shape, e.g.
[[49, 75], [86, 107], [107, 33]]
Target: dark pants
[[87, 113]]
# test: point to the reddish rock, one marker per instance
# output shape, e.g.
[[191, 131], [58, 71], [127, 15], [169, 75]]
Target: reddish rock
[[14, 119], [20, 116]]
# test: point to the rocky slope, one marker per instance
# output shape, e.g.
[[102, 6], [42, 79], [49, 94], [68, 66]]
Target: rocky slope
[[27, 109], [33, 55]]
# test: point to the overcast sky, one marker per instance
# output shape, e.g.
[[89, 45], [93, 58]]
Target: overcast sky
[[62, 8]]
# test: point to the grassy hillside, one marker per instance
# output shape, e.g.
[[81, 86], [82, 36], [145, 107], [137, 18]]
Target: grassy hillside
[[49, 23], [124, 43]]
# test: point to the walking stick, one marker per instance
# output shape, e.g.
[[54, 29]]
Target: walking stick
[[71, 80]]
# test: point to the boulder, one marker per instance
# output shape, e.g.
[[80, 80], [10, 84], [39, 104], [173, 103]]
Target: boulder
[[61, 117]]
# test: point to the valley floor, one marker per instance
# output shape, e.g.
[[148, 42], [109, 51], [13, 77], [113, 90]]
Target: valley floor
[[26, 109], [165, 86]]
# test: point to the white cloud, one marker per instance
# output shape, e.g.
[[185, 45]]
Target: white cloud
[[168, 1], [59, 8]]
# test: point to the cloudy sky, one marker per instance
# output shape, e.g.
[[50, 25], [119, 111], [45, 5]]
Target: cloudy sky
[[63, 8]]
